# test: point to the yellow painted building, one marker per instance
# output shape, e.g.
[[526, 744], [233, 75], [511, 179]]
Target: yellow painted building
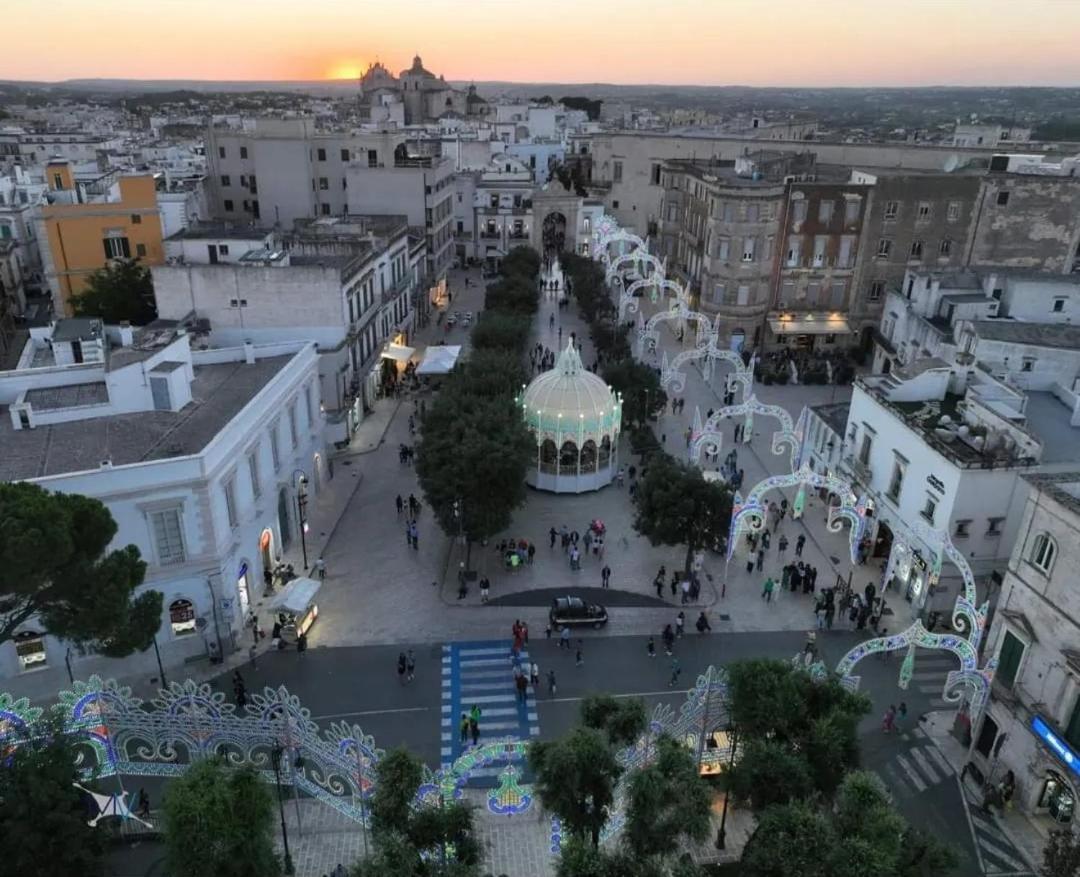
[[86, 225]]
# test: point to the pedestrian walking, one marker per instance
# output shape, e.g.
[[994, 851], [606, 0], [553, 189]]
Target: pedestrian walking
[[474, 730], [900, 719], [799, 543], [766, 593], [702, 623], [553, 535], [781, 546], [534, 674], [650, 647], [301, 644], [320, 568], [579, 659], [760, 559], [685, 591], [605, 576], [676, 671], [464, 728], [531, 551], [680, 621], [668, 636], [888, 721], [410, 666], [564, 637], [522, 688], [401, 668], [400, 503], [551, 682]]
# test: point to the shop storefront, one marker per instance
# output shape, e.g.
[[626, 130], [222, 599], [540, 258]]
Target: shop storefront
[[1057, 791]]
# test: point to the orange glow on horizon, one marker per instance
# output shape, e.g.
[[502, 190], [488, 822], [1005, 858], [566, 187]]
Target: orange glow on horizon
[[346, 70]]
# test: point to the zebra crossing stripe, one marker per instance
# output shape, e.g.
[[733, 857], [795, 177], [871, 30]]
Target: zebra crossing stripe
[[940, 759], [997, 853], [912, 774], [924, 765]]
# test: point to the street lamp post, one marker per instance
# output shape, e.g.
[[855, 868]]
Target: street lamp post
[[301, 508], [161, 669], [721, 833], [275, 757]]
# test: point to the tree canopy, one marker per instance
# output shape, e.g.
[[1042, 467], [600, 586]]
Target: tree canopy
[[667, 801], [642, 397], [675, 505], [788, 718], [42, 814], [219, 822], [623, 720], [862, 834], [575, 779], [123, 290], [415, 841], [474, 445], [501, 330], [57, 568]]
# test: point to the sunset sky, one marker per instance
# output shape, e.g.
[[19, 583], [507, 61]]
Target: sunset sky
[[705, 42]]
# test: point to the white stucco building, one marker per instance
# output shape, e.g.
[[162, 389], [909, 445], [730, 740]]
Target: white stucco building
[[929, 444], [1032, 723], [347, 283], [200, 456]]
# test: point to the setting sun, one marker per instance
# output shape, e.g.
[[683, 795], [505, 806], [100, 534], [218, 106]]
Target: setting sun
[[346, 70]]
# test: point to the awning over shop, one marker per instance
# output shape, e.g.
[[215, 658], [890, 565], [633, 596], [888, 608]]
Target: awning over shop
[[398, 352], [439, 360], [810, 326], [296, 596]]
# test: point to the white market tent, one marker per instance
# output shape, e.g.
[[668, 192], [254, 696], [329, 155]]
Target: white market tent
[[439, 360], [398, 352], [296, 596]]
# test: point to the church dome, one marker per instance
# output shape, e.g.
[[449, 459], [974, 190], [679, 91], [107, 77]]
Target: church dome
[[570, 402]]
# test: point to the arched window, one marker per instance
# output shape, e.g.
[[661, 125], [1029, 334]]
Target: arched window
[[182, 617], [1043, 552]]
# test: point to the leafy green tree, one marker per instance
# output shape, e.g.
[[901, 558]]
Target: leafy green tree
[[399, 774], [791, 840], [860, 834], [219, 822], [501, 330], [668, 801], [623, 720], [642, 397], [768, 773], [1061, 855], [123, 290], [522, 262], [42, 815], [512, 295], [675, 505], [814, 721], [53, 553], [490, 372], [471, 462], [411, 841], [575, 779]]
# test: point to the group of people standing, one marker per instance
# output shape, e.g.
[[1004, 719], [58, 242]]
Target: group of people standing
[[542, 358]]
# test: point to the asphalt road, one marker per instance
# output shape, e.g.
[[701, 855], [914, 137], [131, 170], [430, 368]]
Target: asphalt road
[[360, 685]]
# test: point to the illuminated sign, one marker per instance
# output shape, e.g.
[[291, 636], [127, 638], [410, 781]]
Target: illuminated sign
[[1061, 749]]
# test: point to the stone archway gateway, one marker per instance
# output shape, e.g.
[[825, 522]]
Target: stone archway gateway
[[553, 233]]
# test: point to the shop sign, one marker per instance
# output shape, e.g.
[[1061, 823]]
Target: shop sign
[[1060, 748]]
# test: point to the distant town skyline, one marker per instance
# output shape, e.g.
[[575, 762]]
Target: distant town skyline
[[682, 42]]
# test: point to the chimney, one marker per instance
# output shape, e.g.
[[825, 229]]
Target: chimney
[[249, 353]]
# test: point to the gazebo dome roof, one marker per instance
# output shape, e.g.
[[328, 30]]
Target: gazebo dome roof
[[571, 390]]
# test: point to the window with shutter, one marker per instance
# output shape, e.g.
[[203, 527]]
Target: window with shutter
[[1012, 650]]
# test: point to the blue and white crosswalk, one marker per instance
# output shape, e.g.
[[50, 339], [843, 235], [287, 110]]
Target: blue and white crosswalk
[[481, 674]]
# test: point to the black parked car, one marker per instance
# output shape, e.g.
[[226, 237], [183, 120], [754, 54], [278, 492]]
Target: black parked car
[[571, 611]]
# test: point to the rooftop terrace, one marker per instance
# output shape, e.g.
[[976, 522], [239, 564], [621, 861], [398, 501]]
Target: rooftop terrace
[[218, 392]]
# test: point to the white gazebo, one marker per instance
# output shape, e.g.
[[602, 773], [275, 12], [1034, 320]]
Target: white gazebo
[[575, 419]]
